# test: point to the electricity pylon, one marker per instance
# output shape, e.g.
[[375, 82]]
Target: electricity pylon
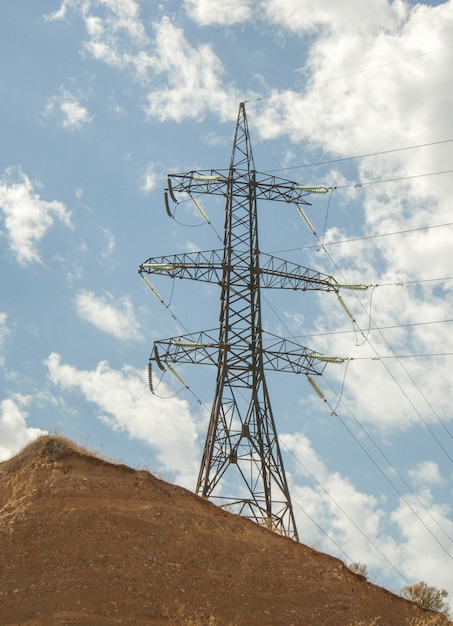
[[242, 437]]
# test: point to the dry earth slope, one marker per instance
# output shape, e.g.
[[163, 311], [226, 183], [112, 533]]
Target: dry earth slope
[[88, 542]]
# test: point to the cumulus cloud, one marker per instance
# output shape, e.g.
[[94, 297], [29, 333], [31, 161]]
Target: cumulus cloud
[[426, 473], [381, 383], [390, 96], [68, 111], [344, 97], [27, 217], [344, 17], [116, 34], [122, 16], [193, 78], [125, 404], [109, 246], [182, 81], [14, 432], [150, 178], [413, 538], [206, 12], [112, 316], [353, 518], [425, 555], [3, 333]]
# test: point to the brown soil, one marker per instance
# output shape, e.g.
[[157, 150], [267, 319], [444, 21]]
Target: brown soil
[[88, 542]]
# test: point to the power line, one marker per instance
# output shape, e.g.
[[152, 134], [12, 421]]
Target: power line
[[392, 180], [359, 156], [382, 453], [399, 360], [427, 426], [393, 327], [364, 237], [369, 540], [378, 67], [391, 234], [349, 75], [321, 246], [341, 509], [415, 282], [393, 468], [399, 356], [395, 356]]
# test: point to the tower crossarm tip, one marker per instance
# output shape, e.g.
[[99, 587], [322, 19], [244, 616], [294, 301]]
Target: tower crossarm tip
[[199, 348], [198, 181], [204, 266], [282, 274], [286, 355]]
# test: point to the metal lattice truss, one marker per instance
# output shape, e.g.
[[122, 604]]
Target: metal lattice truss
[[242, 466], [277, 354], [209, 267]]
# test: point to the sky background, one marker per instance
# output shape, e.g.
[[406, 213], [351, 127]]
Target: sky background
[[100, 99]]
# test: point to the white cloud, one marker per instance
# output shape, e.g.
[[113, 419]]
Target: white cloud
[[346, 16], [68, 110], [3, 334], [412, 538], [224, 12], [113, 34], [186, 80], [343, 99], [426, 473], [14, 433], [115, 317], [193, 79], [378, 384], [425, 555], [122, 16], [109, 243], [27, 217], [60, 13], [213, 139], [125, 404], [150, 178], [344, 110], [336, 504]]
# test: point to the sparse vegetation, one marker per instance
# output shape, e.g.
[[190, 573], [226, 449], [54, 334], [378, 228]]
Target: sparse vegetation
[[373, 622], [427, 597], [359, 568], [180, 617], [433, 620]]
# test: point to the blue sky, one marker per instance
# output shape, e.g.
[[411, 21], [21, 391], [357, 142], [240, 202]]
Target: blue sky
[[100, 100]]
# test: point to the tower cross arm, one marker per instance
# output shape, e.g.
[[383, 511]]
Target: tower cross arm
[[282, 274], [213, 182], [195, 348], [262, 185], [278, 189], [204, 266], [285, 355], [277, 354]]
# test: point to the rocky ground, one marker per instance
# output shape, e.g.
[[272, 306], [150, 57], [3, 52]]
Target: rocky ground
[[87, 542]]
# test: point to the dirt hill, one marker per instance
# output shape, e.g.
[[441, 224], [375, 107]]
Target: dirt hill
[[87, 542]]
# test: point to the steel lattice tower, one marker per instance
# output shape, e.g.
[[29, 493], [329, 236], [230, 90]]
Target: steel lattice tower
[[242, 438]]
